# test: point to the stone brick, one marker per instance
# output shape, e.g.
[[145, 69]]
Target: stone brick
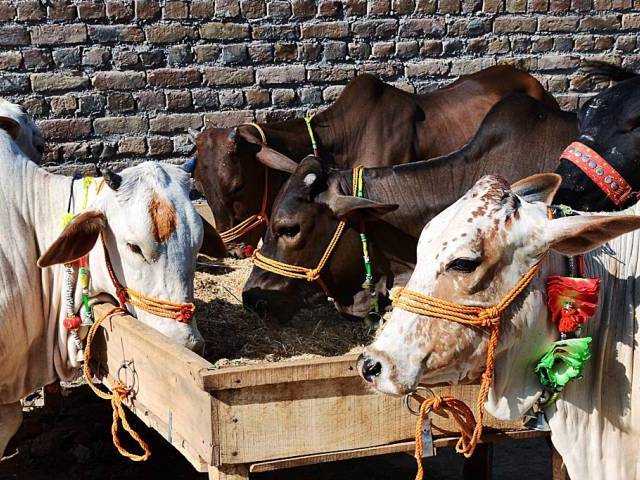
[[227, 8], [601, 23], [492, 6], [174, 77], [556, 6], [558, 24], [257, 97], [378, 7], [359, 50], [514, 24], [354, 8], [160, 146], [13, 36], [278, 9], [431, 48], [224, 31], [202, 9], [302, 9], [152, 58], [119, 80], [309, 51], [126, 59], [120, 102], [10, 60], [336, 73], [92, 104], [7, 12], [335, 51], [30, 11], [427, 68], [120, 125], [469, 28], [149, 100], [231, 98], [174, 10], [331, 93], [631, 21], [325, 30], [61, 10], [65, 129], [422, 27], [329, 8], [116, 33], [63, 105], [516, 6], [179, 55], [13, 83], [581, 5], [207, 53], [227, 119], [402, 7], [557, 62], [383, 49], [234, 54], [464, 66], [67, 57], [132, 146], [386, 28], [35, 106], [221, 76], [175, 122], [310, 95], [538, 5], [279, 75], [178, 100], [58, 34], [275, 32], [52, 82], [119, 11], [626, 43], [170, 33], [253, 9], [147, 9], [449, 6], [92, 10], [584, 43], [205, 98]]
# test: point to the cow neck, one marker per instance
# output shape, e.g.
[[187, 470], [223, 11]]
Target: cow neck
[[602, 173]]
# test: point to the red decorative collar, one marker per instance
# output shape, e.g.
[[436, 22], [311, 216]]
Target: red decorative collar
[[599, 171]]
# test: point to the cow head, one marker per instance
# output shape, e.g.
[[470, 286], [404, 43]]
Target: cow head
[[152, 233], [474, 253], [610, 125], [304, 218], [17, 122], [230, 171]]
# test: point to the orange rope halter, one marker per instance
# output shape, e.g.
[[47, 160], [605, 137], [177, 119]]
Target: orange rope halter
[[120, 392], [305, 273], [259, 218], [483, 317], [181, 312]]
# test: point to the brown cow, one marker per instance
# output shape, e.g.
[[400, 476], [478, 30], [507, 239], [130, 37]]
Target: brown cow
[[519, 137], [372, 124]]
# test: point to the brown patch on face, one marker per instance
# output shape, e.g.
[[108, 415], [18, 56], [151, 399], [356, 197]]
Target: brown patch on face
[[163, 218]]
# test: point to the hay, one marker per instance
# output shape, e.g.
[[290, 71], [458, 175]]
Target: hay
[[236, 337]]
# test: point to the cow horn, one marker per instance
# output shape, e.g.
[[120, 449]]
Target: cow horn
[[112, 179], [190, 165]]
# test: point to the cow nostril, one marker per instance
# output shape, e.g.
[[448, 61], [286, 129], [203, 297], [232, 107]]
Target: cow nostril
[[371, 369]]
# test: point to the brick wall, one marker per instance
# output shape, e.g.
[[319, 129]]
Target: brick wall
[[126, 79]]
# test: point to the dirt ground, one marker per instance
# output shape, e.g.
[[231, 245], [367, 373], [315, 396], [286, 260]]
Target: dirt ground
[[70, 438]]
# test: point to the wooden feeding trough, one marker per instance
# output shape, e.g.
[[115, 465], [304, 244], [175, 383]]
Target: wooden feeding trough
[[236, 420]]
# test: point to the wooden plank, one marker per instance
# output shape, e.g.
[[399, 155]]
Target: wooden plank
[[401, 447], [229, 472], [279, 372], [267, 422], [166, 381]]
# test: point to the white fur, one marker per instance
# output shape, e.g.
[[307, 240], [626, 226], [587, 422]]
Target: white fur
[[30, 139]]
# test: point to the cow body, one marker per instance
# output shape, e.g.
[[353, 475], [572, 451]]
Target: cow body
[[520, 136], [473, 254], [371, 124], [149, 227]]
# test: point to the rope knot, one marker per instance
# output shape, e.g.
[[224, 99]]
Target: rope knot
[[122, 294], [122, 391], [186, 313], [490, 317], [313, 275]]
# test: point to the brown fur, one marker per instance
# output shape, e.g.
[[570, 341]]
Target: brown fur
[[163, 218]]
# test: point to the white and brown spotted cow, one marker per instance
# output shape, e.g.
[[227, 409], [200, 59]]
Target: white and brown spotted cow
[[473, 253]]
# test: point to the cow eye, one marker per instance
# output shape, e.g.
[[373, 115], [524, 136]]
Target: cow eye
[[135, 249], [464, 265], [289, 231]]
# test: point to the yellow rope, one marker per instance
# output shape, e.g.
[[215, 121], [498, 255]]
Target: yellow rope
[[120, 392], [484, 317], [305, 273]]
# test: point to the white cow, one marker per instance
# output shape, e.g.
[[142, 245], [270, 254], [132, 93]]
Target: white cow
[[152, 234], [473, 253], [16, 121]]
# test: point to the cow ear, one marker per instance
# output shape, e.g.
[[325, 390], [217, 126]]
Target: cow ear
[[272, 159], [212, 244], [361, 209], [538, 188], [76, 240], [11, 126], [580, 234]]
